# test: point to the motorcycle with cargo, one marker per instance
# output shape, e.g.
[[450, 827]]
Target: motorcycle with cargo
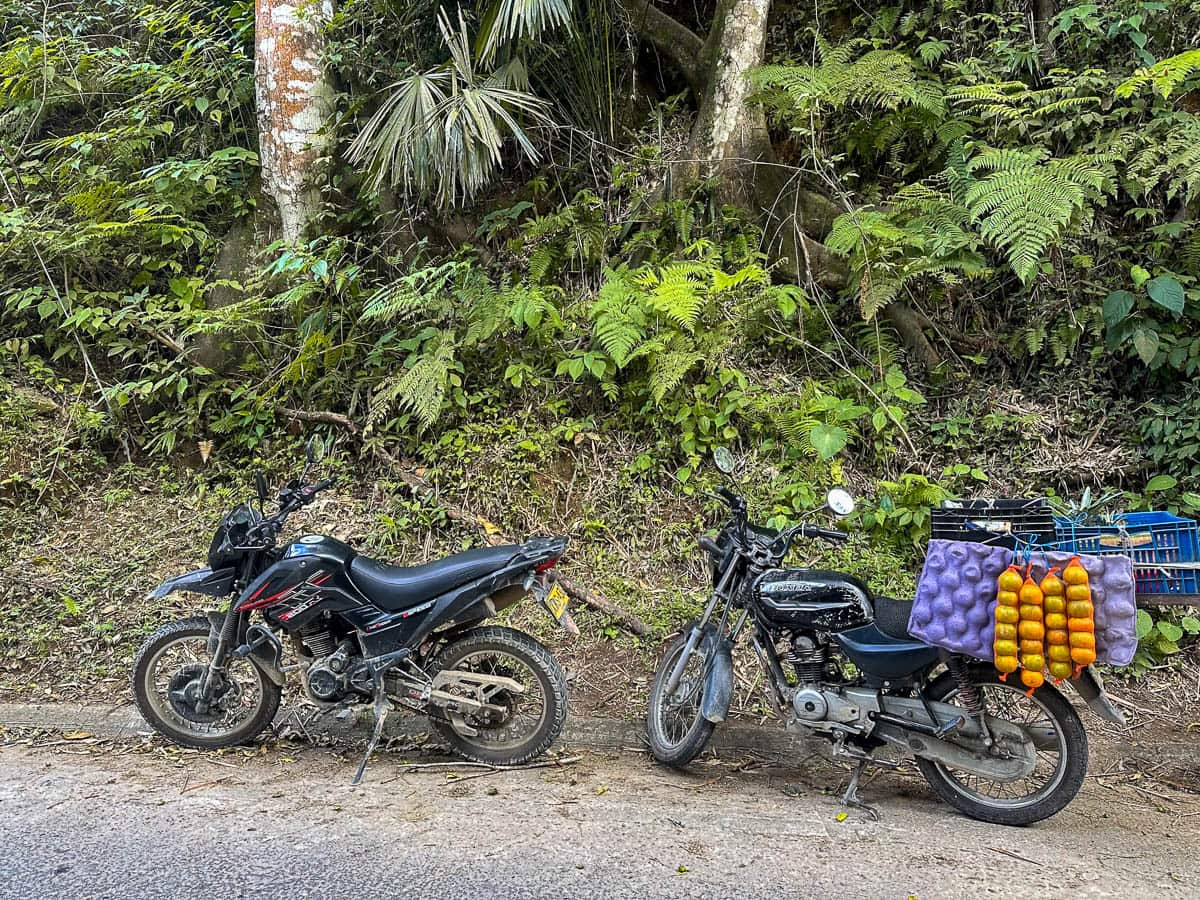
[[840, 664]]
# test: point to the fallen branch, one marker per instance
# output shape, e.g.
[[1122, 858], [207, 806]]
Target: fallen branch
[[488, 767], [492, 533], [323, 417]]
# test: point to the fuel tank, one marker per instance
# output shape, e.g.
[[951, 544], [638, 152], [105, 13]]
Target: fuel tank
[[310, 578], [813, 599]]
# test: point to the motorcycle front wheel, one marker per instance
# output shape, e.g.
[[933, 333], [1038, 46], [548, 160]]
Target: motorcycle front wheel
[[675, 725], [1058, 773], [167, 673]]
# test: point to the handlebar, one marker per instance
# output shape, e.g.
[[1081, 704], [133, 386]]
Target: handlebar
[[829, 534], [290, 499]]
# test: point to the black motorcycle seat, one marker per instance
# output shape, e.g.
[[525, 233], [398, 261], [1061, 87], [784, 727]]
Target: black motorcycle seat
[[891, 617], [399, 587]]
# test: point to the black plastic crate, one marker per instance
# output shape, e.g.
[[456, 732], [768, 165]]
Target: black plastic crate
[[998, 522]]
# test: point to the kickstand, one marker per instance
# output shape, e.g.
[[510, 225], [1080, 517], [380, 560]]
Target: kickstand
[[382, 708], [850, 798]]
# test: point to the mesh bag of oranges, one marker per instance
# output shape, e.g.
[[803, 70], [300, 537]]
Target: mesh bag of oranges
[[1047, 626]]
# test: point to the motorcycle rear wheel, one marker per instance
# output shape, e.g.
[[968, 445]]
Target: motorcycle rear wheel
[[536, 717], [675, 726], [1062, 769]]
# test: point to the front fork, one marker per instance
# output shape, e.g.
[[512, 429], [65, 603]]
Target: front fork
[[226, 629], [720, 592], [692, 642]]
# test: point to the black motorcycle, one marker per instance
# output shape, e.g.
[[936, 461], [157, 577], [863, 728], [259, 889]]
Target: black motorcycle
[[362, 632], [856, 677]]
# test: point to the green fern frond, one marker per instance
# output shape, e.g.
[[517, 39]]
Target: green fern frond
[[668, 369], [618, 320], [422, 388], [876, 289], [884, 79], [853, 230], [677, 291], [412, 291], [1168, 157], [1164, 76], [1035, 338], [1026, 202], [751, 274], [796, 425]]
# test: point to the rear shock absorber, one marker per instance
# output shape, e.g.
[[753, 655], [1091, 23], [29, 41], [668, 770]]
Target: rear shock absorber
[[970, 695]]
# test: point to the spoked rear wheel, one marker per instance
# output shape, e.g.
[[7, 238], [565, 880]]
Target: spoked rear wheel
[[1061, 756], [675, 726], [167, 676], [530, 720]]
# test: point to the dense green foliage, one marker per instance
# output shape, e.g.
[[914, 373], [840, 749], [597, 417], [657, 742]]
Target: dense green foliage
[[1038, 211]]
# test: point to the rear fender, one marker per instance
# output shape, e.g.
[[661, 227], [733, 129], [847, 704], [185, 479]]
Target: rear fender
[[1090, 687], [718, 680]]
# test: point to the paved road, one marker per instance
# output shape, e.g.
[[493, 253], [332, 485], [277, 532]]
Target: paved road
[[161, 823]]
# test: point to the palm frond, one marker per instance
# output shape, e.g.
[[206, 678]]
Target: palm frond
[[440, 133]]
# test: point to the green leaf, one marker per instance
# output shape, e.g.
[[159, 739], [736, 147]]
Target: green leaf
[[1165, 647], [1145, 342], [1145, 624], [1139, 275], [1170, 631], [827, 440], [1190, 624], [1117, 306], [1167, 293], [1160, 483]]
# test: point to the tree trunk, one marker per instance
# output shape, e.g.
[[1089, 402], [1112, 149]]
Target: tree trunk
[[730, 139], [730, 135], [295, 101], [218, 351], [1043, 12]]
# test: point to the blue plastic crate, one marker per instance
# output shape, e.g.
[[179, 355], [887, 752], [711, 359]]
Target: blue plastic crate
[[1163, 548]]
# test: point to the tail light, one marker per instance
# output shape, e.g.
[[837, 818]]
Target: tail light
[[547, 565]]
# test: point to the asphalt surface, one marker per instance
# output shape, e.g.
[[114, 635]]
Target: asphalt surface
[[146, 821]]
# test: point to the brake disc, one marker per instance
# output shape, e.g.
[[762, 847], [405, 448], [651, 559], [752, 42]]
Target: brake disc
[[184, 695]]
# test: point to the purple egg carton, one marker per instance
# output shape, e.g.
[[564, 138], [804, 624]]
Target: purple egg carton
[[956, 598]]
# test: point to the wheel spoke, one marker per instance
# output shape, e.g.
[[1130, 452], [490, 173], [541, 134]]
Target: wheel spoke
[[677, 714]]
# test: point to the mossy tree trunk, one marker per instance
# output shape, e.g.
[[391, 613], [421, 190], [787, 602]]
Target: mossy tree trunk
[[730, 140]]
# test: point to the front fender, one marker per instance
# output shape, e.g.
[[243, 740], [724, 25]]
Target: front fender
[[217, 583], [718, 680]]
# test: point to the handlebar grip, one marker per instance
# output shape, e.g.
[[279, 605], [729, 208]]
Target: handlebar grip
[[322, 484], [831, 534], [708, 545]]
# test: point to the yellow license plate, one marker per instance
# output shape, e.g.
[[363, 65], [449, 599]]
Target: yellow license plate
[[556, 601]]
